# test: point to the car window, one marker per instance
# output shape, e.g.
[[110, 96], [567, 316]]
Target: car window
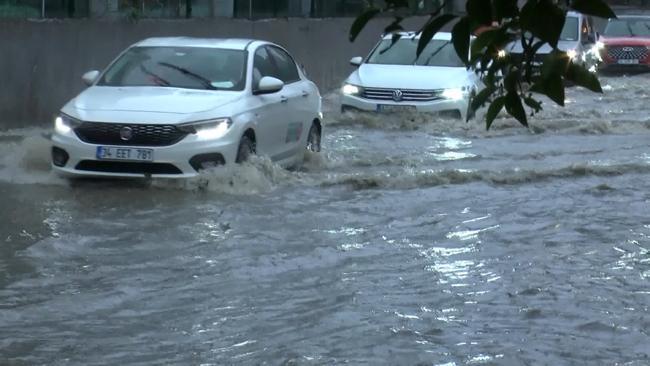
[[179, 67], [263, 66], [287, 69], [628, 27], [403, 52], [570, 29]]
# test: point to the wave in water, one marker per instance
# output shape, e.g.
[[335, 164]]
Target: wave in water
[[411, 179]]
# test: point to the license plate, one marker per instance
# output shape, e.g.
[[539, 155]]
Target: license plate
[[628, 62], [124, 153], [394, 108]]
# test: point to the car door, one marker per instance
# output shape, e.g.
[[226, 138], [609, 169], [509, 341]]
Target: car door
[[298, 111], [270, 109]]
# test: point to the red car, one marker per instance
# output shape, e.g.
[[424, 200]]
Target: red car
[[625, 43]]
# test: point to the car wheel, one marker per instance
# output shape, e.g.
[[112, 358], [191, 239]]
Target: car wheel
[[313, 139], [246, 149]]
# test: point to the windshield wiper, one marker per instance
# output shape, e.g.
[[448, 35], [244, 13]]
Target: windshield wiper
[[432, 54], [158, 80], [205, 82]]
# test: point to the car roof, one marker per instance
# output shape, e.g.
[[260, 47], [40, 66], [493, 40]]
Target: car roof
[[445, 36], [226, 43]]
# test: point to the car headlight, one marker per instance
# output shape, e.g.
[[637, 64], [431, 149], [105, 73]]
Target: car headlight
[[454, 93], [599, 45], [209, 129], [349, 89], [63, 124], [501, 54], [573, 54]]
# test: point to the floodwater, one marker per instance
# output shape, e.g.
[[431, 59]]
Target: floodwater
[[408, 241]]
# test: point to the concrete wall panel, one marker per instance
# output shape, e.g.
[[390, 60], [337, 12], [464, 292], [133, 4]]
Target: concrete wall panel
[[41, 62]]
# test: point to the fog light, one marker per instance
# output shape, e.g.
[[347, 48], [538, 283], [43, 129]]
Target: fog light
[[206, 161], [59, 156]]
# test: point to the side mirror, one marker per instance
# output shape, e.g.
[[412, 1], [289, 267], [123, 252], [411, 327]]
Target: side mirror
[[356, 61], [90, 77], [269, 85]]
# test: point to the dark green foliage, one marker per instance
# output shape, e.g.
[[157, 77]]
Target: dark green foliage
[[534, 24]]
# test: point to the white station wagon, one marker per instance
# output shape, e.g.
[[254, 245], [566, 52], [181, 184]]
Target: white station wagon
[[392, 78], [170, 107]]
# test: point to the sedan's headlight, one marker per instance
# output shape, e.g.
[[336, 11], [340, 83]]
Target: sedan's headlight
[[573, 54], [63, 124], [209, 129], [454, 93], [599, 45], [501, 54], [349, 89]]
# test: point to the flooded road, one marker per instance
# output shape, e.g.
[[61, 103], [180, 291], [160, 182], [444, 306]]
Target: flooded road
[[407, 241]]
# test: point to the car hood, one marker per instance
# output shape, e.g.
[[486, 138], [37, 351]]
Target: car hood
[[409, 76], [515, 47], [625, 41], [151, 99]]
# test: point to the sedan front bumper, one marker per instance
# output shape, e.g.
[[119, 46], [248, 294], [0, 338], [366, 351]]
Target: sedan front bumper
[[173, 161], [350, 102]]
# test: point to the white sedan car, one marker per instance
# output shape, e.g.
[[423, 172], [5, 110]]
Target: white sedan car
[[392, 78], [170, 107]]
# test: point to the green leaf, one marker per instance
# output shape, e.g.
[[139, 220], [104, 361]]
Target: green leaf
[[551, 86], [555, 63], [597, 8], [534, 104], [495, 107], [361, 21], [479, 100], [480, 43], [505, 9], [395, 26], [582, 77], [479, 11], [432, 27], [544, 19], [460, 37], [515, 108]]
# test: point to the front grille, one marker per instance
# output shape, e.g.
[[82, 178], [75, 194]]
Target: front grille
[[627, 52], [127, 167], [408, 95], [141, 135]]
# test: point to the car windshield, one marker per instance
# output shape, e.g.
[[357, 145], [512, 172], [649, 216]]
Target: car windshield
[[179, 67], [436, 53], [570, 29], [628, 28]]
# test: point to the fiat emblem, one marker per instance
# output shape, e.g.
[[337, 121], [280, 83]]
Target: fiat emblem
[[628, 49], [398, 95], [126, 133]]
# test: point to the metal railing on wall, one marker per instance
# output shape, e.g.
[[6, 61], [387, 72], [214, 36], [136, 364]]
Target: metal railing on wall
[[44, 8], [250, 9]]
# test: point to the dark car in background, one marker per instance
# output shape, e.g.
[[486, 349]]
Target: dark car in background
[[625, 44]]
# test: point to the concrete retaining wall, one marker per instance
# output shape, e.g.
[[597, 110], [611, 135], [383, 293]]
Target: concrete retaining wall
[[41, 62]]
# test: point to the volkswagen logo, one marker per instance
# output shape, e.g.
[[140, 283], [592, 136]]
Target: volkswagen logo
[[628, 49], [397, 95], [126, 133]]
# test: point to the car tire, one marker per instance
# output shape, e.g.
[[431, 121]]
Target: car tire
[[246, 150], [314, 138]]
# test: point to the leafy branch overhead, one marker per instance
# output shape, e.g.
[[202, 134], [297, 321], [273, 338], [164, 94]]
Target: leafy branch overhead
[[480, 37]]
